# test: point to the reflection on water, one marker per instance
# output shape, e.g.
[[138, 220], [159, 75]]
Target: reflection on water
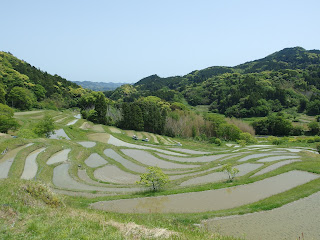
[[151, 205], [210, 200]]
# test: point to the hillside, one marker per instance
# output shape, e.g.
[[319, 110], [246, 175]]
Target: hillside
[[25, 86], [286, 79]]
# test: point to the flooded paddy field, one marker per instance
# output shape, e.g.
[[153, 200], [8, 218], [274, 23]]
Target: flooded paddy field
[[113, 174], [95, 160], [287, 222], [31, 166], [87, 144], [59, 157], [210, 200], [220, 176], [150, 160], [124, 162]]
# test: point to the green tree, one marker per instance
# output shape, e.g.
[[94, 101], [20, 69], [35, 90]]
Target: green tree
[[101, 108], [2, 94], [45, 127], [7, 122], [21, 98], [232, 172], [314, 127], [154, 178]]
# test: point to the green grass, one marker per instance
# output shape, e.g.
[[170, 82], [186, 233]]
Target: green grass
[[27, 216]]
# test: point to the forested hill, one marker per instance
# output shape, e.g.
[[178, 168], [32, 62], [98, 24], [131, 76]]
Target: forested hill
[[99, 86], [286, 79], [24, 86]]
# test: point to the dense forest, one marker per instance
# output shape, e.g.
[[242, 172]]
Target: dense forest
[[286, 80], [24, 86]]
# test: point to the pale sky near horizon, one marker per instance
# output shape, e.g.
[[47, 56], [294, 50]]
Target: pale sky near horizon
[[124, 41]]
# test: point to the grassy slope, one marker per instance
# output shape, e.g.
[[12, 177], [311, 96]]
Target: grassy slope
[[75, 220]]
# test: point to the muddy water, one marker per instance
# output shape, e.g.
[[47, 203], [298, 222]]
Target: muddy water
[[31, 166], [274, 166], [189, 151], [126, 163], [7, 160], [95, 160], [210, 200], [277, 158], [150, 160], [60, 133], [252, 156], [219, 176], [286, 222], [194, 159], [87, 144], [113, 174], [58, 157], [72, 122], [62, 179]]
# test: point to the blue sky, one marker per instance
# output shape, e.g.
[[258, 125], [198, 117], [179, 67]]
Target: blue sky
[[126, 40]]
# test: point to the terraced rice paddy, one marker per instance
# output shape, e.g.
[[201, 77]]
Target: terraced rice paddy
[[117, 142], [150, 160], [90, 167], [31, 166], [59, 134], [99, 137], [287, 222], [95, 160], [59, 157], [195, 159], [219, 176], [124, 162], [211, 200], [87, 144], [7, 160], [113, 174]]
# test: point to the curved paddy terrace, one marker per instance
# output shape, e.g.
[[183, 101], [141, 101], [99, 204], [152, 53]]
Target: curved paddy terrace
[[99, 170]]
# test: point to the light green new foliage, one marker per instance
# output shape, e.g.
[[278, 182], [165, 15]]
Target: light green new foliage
[[45, 127], [232, 172], [154, 178]]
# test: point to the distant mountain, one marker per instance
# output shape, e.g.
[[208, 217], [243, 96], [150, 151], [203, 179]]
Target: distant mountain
[[99, 86], [287, 79]]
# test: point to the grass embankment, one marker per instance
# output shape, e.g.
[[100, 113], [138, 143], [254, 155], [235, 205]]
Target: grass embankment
[[29, 210]]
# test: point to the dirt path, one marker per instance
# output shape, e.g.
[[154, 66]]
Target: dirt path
[[210, 200], [286, 222]]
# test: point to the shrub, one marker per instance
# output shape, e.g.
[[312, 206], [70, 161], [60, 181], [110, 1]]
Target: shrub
[[314, 127], [43, 193], [229, 132], [218, 142], [243, 126], [310, 140], [318, 148], [247, 137], [297, 130], [316, 139]]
